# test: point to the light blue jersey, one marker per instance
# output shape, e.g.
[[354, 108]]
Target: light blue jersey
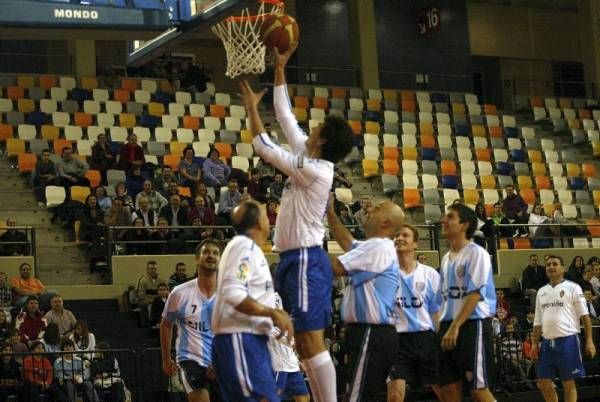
[[191, 311], [470, 270], [419, 296], [370, 297]]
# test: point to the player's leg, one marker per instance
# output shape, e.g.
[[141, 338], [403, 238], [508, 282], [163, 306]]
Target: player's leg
[[194, 380], [450, 377], [200, 395], [547, 389], [482, 395], [451, 392], [396, 390], [296, 387], [480, 335], [570, 391]]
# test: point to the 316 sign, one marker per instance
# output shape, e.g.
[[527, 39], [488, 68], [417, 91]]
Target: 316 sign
[[428, 20]]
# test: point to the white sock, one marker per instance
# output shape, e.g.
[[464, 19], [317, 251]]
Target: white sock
[[321, 375]]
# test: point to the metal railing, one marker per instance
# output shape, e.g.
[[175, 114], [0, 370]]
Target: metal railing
[[24, 247], [546, 235]]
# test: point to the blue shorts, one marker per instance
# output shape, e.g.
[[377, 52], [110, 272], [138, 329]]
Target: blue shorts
[[242, 364], [561, 357], [304, 280], [290, 384]]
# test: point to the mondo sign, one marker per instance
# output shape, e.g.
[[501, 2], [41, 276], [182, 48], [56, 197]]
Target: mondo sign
[[428, 20]]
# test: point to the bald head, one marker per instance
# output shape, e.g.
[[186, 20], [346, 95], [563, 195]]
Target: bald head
[[246, 216], [394, 214], [384, 220]]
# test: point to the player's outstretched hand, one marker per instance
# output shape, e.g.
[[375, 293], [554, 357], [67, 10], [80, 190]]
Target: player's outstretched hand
[[169, 367], [250, 98], [450, 337], [590, 349], [281, 59], [282, 321]]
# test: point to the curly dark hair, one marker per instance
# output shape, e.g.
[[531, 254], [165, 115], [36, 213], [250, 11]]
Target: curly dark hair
[[339, 136]]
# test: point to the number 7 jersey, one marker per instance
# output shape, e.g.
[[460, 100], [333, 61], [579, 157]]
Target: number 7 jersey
[[191, 311]]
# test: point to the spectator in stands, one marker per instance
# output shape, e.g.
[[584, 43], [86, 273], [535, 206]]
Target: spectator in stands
[[121, 192], [131, 154], [5, 326], [511, 350], [202, 191], [158, 304], [51, 339], [103, 157], [102, 199], [30, 322], [69, 374], [361, 215], [593, 305], [45, 174], [24, 286], [202, 211], [515, 208], [175, 213], [340, 179], [147, 288], [60, 316], [267, 171], [595, 281], [485, 225], [575, 271], [14, 339], [537, 217], [91, 221], [71, 170], [276, 187], [17, 237], [192, 78], [179, 276], [229, 200], [37, 373], [255, 187], [272, 207], [534, 277], [139, 236], [162, 181], [144, 212], [106, 374], [164, 235], [422, 258], [135, 182], [189, 172], [155, 199], [526, 325], [83, 339], [502, 305], [174, 190], [10, 373], [588, 274], [118, 214], [216, 172], [499, 218]]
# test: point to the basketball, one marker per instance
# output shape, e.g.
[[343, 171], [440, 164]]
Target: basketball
[[279, 31]]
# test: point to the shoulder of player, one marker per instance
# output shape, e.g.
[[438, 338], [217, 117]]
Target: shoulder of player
[[374, 244], [428, 270]]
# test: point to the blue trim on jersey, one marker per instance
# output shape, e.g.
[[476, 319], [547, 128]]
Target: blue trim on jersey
[[265, 143], [182, 337], [361, 302]]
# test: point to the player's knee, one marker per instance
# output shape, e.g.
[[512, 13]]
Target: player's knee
[[568, 385], [309, 343], [482, 395], [395, 395]]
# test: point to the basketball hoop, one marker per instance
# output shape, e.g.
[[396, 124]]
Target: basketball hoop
[[241, 38]]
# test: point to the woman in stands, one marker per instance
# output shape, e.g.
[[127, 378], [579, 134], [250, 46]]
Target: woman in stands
[[51, 339], [202, 191], [575, 272], [216, 172], [91, 222], [121, 192], [537, 217], [202, 211], [103, 157], [140, 236], [103, 200], [189, 172], [106, 374], [10, 375], [131, 154], [83, 339]]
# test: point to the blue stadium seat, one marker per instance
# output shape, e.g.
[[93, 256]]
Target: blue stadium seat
[[449, 181], [115, 3], [576, 183], [80, 95], [511, 132], [37, 118], [438, 97], [428, 154], [372, 116], [149, 121], [162, 97], [518, 155], [461, 130], [503, 168]]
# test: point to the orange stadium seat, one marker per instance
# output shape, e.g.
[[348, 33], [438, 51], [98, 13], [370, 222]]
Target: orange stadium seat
[[59, 144], [391, 153], [496, 132], [483, 154], [217, 111], [356, 126], [584, 114], [339, 93], [173, 161], [185, 192], [448, 168], [390, 166], [521, 243], [15, 93], [48, 81], [589, 170], [26, 162], [121, 95], [129, 84], [301, 102], [574, 124], [191, 122], [412, 197], [593, 227], [94, 177], [427, 140], [224, 149], [536, 101], [489, 109], [6, 131], [373, 105], [320, 102], [565, 103], [409, 106], [543, 183], [166, 86], [407, 95], [83, 119], [426, 129], [528, 196]]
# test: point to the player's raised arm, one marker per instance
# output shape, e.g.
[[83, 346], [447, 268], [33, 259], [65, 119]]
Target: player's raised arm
[[339, 232], [251, 100]]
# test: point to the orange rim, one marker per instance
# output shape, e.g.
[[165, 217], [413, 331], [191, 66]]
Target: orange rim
[[258, 16]]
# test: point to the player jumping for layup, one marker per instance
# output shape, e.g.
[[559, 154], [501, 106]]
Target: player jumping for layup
[[304, 276]]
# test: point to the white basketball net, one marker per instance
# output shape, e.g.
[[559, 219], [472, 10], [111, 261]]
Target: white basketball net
[[241, 38]]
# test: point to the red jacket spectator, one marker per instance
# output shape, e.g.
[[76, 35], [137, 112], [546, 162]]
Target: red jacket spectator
[[31, 323], [131, 154], [37, 370]]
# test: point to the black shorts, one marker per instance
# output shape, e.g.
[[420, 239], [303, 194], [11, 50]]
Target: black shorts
[[472, 360], [193, 376], [371, 351], [417, 360]]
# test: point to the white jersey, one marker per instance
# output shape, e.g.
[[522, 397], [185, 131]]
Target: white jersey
[[304, 201], [283, 356], [370, 296], [191, 311], [243, 272], [558, 309], [419, 296], [469, 271]]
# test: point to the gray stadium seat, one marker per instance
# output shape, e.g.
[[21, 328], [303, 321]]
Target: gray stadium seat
[[441, 107], [568, 156], [579, 136], [391, 104], [391, 128], [431, 196], [429, 167], [337, 112], [337, 103], [447, 154], [521, 169], [477, 119], [460, 119], [228, 136], [593, 183], [504, 181], [135, 108], [457, 97], [432, 213], [203, 98], [355, 115], [114, 176], [305, 91], [15, 118], [559, 125], [156, 148], [390, 183], [356, 93], [69, 106], [588, 211], [497, 143], [37, 93], [38, 145], [409, 117], [532, 144], [582, 197]]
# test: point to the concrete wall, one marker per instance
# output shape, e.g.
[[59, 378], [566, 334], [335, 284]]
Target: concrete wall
[[10, 265]]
